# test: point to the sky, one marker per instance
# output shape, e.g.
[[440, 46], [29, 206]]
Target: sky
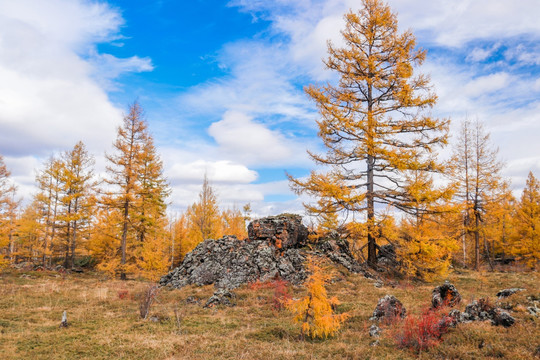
[[222, 84]]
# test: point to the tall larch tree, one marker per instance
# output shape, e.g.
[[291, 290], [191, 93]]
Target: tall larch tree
[[78, 198], [476, 171], [375, 122], [527, 223], [123, 169]]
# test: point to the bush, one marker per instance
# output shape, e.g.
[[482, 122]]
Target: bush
[[425, 331]]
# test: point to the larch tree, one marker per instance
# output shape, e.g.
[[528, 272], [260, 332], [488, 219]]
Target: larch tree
[[8, 207], [124, 169], [77, 198], [203, 216], [476, 171], [527, 223], [375, 122], [47, 199]]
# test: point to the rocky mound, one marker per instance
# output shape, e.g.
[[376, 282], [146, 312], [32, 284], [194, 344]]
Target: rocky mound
[[275, 248]]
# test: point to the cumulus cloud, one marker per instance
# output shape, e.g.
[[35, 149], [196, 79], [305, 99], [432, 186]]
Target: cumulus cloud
[[49, 95], [239, 137]]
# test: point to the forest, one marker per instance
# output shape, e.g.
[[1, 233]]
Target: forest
[[392, 179]]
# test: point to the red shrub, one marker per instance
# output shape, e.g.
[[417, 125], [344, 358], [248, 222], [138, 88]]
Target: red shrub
[[424, 331], [123, 294], [281, 294]]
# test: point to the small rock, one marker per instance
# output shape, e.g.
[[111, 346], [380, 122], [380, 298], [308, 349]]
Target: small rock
[[378, 284], [533, 310], [388, 308], [221, 297], [153, 319], [192, 300], [445, 295], [374, 331], [374, 343], [501, 318], [508, 292]]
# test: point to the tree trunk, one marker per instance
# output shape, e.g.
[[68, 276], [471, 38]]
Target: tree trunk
[[124, 241], [476, 241]]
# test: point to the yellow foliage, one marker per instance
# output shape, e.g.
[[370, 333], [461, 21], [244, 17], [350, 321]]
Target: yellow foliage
[[316, 311], [424, 251]]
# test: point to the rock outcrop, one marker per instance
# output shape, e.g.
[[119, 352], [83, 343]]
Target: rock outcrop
[[388, 309], [275, 248], [284, 231], [508, 292]]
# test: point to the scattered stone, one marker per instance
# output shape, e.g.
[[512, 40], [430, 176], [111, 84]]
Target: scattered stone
[[445, 295], [378, 284], [508, 292], [154, 318], [284, 231], [374, 331], [192, 300], [533, 310], [221, 297], [388, 308], [482, 310], [374, 343], [501, 318]]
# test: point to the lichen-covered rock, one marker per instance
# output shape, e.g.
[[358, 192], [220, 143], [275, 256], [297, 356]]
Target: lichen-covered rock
[[283, 231], [480, 310], [221, 297], [228, 263], [374, 331], [339, 252], [389, 308], [501, 318], [273, 249], [508, 292], [445, 295]]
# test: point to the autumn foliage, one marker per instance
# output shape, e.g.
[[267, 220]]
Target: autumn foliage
[[315, 312]]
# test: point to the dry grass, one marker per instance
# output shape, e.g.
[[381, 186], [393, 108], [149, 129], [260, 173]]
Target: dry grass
[[105, 323]]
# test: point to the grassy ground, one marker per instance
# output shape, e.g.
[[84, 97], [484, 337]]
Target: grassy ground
[[105, 326]]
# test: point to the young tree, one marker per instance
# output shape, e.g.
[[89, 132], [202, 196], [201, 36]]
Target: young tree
[[316, 311], [527, 223], [203, 216], [476, 171], [374, 122], [234, 223]]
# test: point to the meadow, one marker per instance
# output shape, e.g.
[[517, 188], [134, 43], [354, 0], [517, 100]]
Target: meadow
[[104, 320]]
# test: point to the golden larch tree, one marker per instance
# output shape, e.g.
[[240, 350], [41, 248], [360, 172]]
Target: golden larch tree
[[125, 166], [527, 223], [8, 208], [375, 122], [204, 217], [77, 199]]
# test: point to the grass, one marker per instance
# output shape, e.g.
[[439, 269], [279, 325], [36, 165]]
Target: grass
[[105, 323]]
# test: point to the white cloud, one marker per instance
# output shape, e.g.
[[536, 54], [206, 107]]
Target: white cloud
[[239, 137], [484, 85], [49, 96]]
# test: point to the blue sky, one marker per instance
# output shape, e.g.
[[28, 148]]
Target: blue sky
[[221, 83]]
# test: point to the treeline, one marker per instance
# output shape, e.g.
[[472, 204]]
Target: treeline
[[118, 224]]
